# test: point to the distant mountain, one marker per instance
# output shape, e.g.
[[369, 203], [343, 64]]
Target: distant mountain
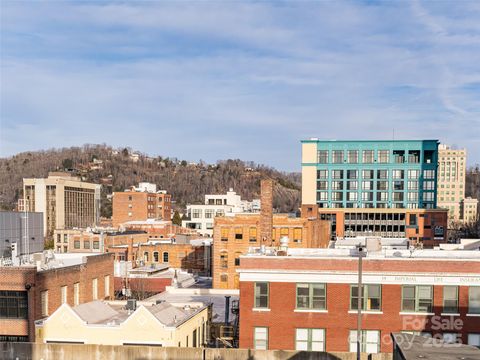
[[117, 169]]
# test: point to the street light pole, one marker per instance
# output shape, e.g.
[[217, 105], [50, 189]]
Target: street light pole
[[360, 302]]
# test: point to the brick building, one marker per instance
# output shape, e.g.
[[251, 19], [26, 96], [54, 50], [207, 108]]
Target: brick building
[[29, 293], [141, 203], [425, 226], [193, 255], [94, 241], [308, 300], [234, 235]]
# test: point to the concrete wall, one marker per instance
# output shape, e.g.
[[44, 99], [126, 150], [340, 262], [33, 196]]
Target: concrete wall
[[29, 351]]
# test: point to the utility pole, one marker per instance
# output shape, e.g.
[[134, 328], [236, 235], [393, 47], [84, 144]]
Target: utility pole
[[360, 302]]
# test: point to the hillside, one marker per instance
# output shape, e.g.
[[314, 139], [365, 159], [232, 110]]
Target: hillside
[[118, 169]]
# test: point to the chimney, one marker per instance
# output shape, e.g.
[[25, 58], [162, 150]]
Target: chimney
[[266, 211]]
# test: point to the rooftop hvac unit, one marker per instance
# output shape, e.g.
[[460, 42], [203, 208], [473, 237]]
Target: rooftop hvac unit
[[131, 304]]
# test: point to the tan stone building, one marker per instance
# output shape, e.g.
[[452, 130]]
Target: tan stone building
[[452, 165], [141, 203], [65, 201], [234, 235], [469, 210]]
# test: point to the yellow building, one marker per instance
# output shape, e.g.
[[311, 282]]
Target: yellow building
[[97, 322], [452, 165], [469, 210], [65, 201]]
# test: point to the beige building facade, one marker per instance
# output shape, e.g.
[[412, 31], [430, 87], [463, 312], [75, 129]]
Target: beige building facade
[[469, 210], [65, 200], [452, 165], [163, 324]]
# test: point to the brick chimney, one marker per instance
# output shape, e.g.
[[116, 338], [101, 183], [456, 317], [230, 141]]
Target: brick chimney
[[266, 211]]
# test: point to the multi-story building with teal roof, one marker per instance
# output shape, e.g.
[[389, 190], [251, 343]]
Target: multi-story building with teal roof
[[370, 174]]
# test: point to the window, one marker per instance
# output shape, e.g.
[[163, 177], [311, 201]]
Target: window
[[352, 174], [44, 302], [96, 244], [64, 294], [382, 196], [337, 156], [223, 277], [352, 196], [382, 174], [372, 297], [337, 196], [224, 260], [297, 235], [86, 244], [76, 244], [322, 185], [196, 213], [13, 304], [368, 156], [237, 258], [474, 299], [417, 298], [367, 174], [238, 233], [261, 295], [428, 196], [260, 338], [337, 185], [352, 156], [382, 185], [107, 285], [310, 339], [95, 289], [413, 185], [165, 257], [474, 340], [322, 196], [337, 174], [224, 234], [311, 296], [145, 256], [369, 341], [428, 185], [367, 185], [428, 174], [450, 299], [209, 213], [322, 156], [322, 174], [155, 256], [352, 185], [383, 156], [397, 174], [413, 174], [76, 294], [253, 234], [398, 185]]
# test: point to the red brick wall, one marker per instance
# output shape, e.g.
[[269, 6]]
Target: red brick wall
[[282, 320], [15, 278]]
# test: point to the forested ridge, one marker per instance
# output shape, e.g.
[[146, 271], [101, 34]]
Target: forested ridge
[[117, 169]]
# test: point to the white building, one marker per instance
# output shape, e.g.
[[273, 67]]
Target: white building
[[200, 217]]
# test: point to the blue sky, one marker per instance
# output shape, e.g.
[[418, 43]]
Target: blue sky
[[216, 79]]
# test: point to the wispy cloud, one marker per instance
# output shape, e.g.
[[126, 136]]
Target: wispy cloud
[[247, 80]]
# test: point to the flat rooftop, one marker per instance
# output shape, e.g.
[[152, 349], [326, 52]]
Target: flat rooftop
[[386, 254], [215, 297], [411, 347]]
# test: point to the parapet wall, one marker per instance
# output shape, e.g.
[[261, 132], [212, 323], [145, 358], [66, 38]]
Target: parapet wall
[[32, 351]]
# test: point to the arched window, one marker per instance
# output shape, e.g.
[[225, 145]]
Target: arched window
[[145, 256], [165, 257], [155, 256]]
